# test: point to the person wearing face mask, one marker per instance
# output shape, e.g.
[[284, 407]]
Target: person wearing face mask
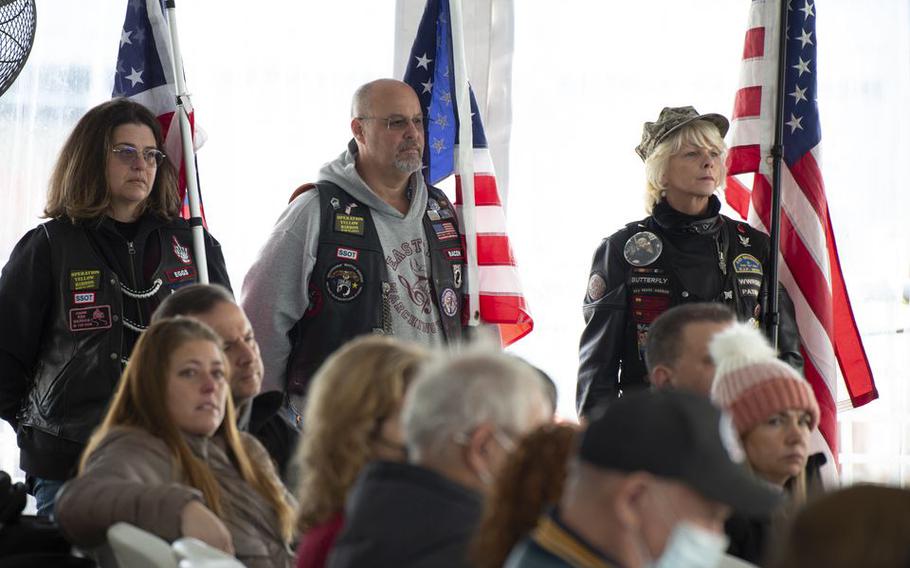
[[774, 412], [648, 497], [353, 417], [461, 419], [684, 251]]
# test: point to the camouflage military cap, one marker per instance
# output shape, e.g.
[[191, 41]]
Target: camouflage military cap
[[670, 120]]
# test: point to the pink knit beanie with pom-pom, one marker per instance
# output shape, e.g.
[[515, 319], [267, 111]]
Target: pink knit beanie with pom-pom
[[751, 383]]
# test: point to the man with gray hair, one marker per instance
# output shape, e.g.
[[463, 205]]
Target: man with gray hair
[[369, 248], [461, 419]]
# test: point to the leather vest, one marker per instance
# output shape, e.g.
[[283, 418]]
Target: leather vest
[[349, 290], [741, 253], [80, 358]]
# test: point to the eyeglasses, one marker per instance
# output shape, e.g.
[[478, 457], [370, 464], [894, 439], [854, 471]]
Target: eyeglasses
[[128, 155], [397, 122]]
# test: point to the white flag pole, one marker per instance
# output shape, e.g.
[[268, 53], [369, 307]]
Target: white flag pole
[[189, 154], [464, 159]]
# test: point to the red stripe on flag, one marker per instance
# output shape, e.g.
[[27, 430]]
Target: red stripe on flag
[[848, 345], [743, 159], [747, 103], [738, 196], [827, 423], [485, 192], [510, 312], [494, 250], [755, 43], [808, 177]]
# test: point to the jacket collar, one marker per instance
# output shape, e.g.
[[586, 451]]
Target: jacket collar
[[558, 539], [672, 220]]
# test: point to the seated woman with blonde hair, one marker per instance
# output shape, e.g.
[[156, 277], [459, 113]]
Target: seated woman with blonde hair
[[774, 412], [352, 417], [169, 459]]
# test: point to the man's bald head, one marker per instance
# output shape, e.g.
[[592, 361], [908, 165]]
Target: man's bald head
[[365, 96]]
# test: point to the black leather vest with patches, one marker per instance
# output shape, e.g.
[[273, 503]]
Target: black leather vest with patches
[[348, 288]]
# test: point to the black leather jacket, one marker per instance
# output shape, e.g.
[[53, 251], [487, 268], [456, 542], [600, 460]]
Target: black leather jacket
[[654, 264], [73, 297]]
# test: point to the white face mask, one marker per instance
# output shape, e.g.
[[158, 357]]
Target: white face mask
[[691, 546]]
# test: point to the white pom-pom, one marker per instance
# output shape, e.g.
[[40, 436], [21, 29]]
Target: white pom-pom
[[740, 344]]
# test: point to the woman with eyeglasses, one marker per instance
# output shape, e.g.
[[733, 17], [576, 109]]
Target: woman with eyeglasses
[[168, 457], [79, 289], [352, 417], [683, 251]]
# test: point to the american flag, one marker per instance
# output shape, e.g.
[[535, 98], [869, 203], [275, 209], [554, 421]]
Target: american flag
[[145, 74], [431, 72], [809, 269]]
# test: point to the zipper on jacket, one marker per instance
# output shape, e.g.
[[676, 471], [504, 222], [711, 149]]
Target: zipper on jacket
[[131, 249]]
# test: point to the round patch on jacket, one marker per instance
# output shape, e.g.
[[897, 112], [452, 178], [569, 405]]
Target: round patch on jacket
[[449, 302], [642, 248], [597, 287], [344, 282]]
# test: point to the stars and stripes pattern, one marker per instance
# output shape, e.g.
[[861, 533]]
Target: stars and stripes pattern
[[431, 72], [809, 268], [145, 74]]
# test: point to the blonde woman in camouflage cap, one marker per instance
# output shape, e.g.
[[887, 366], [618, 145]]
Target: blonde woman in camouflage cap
[[684, 251]]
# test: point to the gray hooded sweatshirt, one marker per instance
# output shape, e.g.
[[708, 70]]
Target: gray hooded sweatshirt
[[275, 288]]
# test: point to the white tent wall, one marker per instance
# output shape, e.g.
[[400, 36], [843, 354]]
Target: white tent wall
[[272, 89]]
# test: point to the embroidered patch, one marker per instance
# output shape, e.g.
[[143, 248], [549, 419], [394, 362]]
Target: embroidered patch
[[445, 231], [344, 282], [454, 253], [347, 254], [446, 214], [90, 319], [83, 298], [433, 214], [456, 275], [597, 287], [449, 302], [747, 264], [85, 279], [181, 252], [180, 274], [351, 224], [642, 248]]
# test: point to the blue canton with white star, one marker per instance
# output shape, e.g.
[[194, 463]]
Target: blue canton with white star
[[802, 130], [138, 65], [431, 74]]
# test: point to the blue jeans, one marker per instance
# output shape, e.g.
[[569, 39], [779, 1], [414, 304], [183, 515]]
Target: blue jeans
[[46, 494]]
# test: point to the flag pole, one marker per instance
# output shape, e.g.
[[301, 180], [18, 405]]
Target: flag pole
[[772, 311], [189, 154], [465, 159]]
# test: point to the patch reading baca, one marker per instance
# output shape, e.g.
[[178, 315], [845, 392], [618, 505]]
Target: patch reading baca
[[90, 319], [347, 254], [83, 298], [344, 282], [449, 302], [597, 287], [351, 224], [85, 279], [454, 253], [180, 274], [747, 264], [642, 248]]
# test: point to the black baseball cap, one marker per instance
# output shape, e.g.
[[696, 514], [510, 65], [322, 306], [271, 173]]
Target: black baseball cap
[[680, 436]]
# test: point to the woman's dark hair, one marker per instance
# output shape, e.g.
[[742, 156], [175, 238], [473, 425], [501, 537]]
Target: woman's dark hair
[[78, 188]]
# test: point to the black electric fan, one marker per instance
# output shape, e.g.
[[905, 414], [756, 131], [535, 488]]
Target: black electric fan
[[17, 33]]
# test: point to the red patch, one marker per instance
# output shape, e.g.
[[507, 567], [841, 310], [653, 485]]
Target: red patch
[[90, 319], [180, 274]]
